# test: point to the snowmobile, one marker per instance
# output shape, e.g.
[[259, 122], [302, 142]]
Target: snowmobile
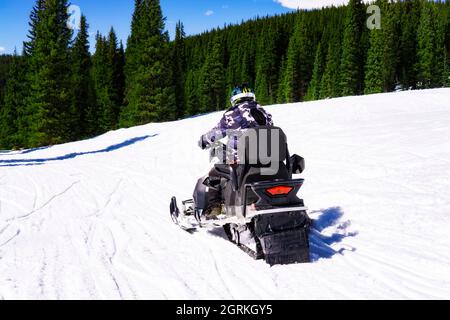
[[261, 212]]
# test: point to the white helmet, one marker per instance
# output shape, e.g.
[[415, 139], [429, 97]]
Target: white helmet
[[242, 93]]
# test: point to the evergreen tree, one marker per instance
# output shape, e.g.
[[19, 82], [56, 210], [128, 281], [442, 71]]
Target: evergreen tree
[[446, 68], [179, 65], [12, 109], [119, 76], [351, 61], [149, 93], [212, 80], [440, 25], [314, 86], [83, 102], [426, 47], [102, 74], [46, 97], [374, 77], [298, 65], [33, 24], [6, 62], [234, 71], [410, 15], [109, 80], [266, 71], [192, 104], [329, 85], [114, 82], [391, 54], [49, 76], [246, 67], [281, 96]]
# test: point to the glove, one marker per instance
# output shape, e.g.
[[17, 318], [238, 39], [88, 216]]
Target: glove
[[203, 143]]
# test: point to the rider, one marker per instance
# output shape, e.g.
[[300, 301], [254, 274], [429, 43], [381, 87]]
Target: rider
[[245, 113]]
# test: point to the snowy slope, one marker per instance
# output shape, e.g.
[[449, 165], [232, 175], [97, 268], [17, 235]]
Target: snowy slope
[[90, 219]]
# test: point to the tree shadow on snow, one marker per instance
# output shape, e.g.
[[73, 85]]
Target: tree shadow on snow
[[321, 244], [40, 161]]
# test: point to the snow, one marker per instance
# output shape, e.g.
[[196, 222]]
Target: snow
[[90, 220]]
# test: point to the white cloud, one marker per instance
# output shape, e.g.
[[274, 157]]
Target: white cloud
[[310, 4], [209, 13], [225, 6], [2, 49]]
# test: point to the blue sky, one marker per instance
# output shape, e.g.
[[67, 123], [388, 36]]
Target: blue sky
[[197, 16]]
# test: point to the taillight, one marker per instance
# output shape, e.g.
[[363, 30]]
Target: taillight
[[279, 190]]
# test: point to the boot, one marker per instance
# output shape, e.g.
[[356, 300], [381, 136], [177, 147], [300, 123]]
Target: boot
[[213, 211]]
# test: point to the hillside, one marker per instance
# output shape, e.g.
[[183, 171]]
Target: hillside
[[90, 219]]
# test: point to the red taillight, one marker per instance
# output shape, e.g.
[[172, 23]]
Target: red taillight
[[279, 190]]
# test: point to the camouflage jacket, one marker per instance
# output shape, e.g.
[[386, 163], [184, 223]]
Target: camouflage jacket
[[246, 115]]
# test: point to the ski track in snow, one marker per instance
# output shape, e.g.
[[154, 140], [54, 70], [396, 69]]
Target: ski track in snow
[[96, 225]]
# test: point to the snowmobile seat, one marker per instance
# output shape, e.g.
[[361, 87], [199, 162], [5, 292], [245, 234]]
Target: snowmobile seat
[[271, 145], [257, 164], [258, 157]]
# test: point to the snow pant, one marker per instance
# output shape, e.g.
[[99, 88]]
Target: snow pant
[[216, 187], [207, 192]]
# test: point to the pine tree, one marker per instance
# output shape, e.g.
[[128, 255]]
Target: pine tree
[[119, 76], [298, 65], [6, 62], [212, 84], [440, 25], [102, 74], [29, 45], [246, 67], [446, 46], [12, 109], [391, 50], [49, 76], [410, 15], [83, 102], [446, 55], [192, 104], [266, 70], [149, 92], [374, 77], [351, 61], [281, 96], [426, 47], [329, 85], [446, 72], [179, 65], [114, 82], [234, 71], [314, 86], [109, 80]]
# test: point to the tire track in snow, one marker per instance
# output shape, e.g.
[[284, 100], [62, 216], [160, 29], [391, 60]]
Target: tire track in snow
[[107, 258], [34, 211], [2, 244], [42, 273], [415, 281], [385, 279], [109, 198]]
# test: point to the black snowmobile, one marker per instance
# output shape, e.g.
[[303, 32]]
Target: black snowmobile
[[261, 212]]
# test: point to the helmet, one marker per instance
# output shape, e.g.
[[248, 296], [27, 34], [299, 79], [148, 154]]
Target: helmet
[[242, 93]]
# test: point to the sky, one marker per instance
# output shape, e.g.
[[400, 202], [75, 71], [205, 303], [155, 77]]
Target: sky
[[196, 15]]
